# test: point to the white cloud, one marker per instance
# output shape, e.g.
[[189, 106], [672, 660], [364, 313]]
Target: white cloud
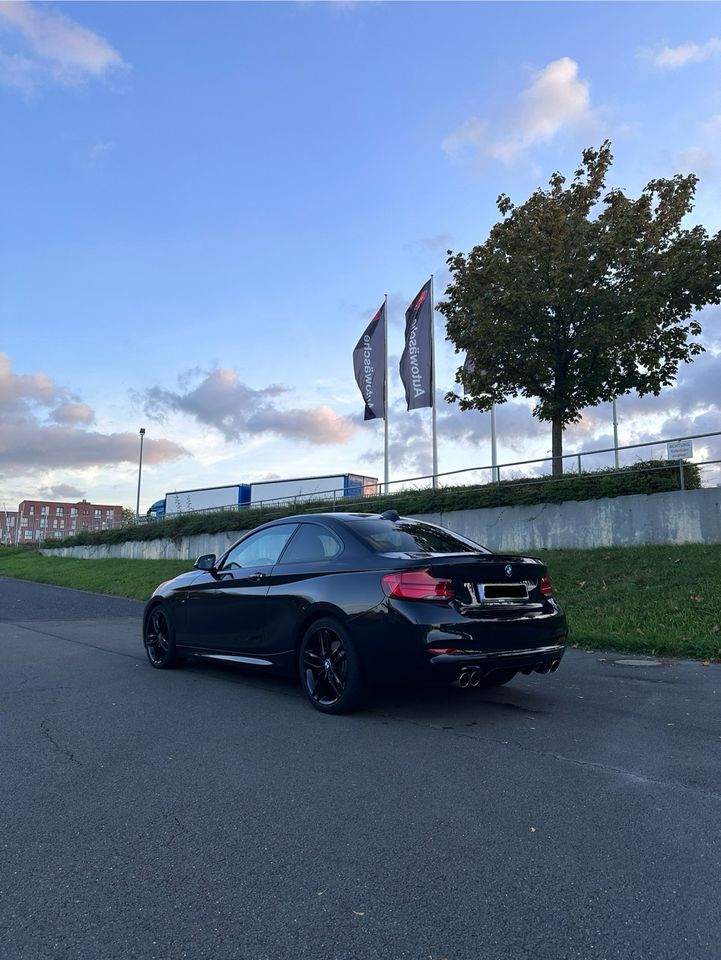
[[17, 71], [702, 158], [73, 412], [16, 388], [698, 160], [62, 491], [467, 430], [28, 445], [471, 133], [556, 99], [220, 400], [409, 449], [671, 58], [41, 428], [52, 48]]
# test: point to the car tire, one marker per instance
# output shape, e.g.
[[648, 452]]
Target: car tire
[[159, 639], [497, 678], [330, 672]]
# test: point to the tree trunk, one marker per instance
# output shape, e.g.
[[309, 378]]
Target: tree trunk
[[557, 446]]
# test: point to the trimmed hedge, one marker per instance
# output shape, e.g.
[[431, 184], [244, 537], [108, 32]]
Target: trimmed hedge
[[650, 476]]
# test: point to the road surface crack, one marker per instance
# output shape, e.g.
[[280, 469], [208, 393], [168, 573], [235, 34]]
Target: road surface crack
[[80, 643], [45, 730], [605, 768]]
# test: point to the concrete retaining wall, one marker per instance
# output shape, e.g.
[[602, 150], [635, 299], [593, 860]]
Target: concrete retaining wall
[[185, 548], [691, 516]]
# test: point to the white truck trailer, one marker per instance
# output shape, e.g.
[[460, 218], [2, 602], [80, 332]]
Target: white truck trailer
[[271, 492], [312, 488]]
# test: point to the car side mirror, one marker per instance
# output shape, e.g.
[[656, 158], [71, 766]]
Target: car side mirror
[[206, 562]]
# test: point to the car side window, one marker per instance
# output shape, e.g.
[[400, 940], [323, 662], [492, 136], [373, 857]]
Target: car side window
[[261, 549], [312, 543]]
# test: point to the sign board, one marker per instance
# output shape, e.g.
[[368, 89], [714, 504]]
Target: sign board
[[679, 450]]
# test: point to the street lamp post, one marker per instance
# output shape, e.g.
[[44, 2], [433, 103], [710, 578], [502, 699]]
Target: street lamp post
[[140, 473], [495, 476]]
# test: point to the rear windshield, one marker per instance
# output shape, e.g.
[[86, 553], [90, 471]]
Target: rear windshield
[[385, 536]]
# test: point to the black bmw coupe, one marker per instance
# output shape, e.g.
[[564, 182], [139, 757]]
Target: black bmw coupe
[[344, 600]]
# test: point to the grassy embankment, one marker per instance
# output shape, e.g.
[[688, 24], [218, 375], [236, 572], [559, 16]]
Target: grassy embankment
[[135, 579], [646, 600]]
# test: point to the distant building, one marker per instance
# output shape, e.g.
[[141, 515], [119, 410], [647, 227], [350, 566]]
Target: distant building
[[39, 519], [8, 525]]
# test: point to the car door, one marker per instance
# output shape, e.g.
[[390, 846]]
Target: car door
[[229, 612], [302, 577]]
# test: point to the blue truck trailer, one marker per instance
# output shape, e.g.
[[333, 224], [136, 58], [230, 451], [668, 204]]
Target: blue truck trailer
[[271, 492]]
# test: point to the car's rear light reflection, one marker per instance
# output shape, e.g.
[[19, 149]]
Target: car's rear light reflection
[[416, 585]]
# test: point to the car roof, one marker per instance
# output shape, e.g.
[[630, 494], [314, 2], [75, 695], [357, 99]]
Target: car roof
[[334, 516]]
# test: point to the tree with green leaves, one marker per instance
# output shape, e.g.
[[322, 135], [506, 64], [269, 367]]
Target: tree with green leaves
[[581, 295], [127, 518]]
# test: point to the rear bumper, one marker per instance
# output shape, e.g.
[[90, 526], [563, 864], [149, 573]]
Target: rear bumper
[[540, 659], [401, 640]]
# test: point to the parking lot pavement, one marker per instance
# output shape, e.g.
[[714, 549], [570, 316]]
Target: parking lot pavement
[[22, 600], [212, 813]]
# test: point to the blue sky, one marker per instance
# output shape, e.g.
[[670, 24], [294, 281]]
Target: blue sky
[[204, 205]]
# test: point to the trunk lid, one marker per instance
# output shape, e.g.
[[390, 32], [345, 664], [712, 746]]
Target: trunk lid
[[491, 581]]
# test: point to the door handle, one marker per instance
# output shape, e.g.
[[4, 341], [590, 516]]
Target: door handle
[[256, 576]]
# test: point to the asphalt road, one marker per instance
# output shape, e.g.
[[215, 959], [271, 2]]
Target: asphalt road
[[212, 813]]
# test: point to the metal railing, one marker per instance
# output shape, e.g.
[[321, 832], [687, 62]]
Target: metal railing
[[333, 497], [577, 457]]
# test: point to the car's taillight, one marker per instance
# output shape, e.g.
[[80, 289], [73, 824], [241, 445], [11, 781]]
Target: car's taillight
[[416, 585], [545, 586]]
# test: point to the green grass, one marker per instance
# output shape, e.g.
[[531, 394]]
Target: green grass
[[135, 579], [664, 601]]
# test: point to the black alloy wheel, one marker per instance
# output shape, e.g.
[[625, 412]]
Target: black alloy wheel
[[159, 640], [329, 670]]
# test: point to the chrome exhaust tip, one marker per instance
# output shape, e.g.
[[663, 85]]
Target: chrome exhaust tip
[[464, 680], [555, 665], [475, 678]]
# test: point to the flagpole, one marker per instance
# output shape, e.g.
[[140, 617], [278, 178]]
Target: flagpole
[[494, 454], [385, 399], [433, 389]]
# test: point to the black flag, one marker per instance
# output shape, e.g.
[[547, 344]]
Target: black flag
[[416, 366], [369, 365], [468, 367]]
